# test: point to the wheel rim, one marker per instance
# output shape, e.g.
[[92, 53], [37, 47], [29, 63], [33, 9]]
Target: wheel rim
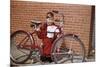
[[70, 50], [19, 55]]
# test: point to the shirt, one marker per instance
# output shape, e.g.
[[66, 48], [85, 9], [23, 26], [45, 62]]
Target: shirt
[[51, 30]]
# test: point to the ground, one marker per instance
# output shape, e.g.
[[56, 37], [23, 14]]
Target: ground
[[91, 58]]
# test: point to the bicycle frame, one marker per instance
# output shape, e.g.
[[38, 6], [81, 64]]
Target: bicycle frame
[[26, 46]]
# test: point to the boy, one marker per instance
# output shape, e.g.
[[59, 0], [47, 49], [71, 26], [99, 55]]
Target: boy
[[47, 33]]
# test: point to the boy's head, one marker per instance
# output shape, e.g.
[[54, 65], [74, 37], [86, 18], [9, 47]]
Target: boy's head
[[50, 15], [50, 18]]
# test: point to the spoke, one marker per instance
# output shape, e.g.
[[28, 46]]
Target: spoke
[[60, 53], [64, 60], [20, 57], [77, 57], [23, 52]]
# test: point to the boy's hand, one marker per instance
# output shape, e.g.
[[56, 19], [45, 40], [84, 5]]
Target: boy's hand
[[38, 28]]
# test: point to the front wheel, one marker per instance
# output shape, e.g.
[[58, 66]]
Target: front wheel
[[68, 48], [18, 39]]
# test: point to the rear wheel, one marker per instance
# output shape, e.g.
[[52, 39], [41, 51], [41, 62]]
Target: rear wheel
[[68, 48], [18, 39]]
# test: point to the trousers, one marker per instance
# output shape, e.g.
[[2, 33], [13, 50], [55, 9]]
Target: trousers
[[47, 46]]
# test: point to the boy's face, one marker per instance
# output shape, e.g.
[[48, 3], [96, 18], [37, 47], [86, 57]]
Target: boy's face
[[50, 19]]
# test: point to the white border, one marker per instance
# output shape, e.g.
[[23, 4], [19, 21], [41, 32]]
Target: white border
[[88, 2], [5, 32]]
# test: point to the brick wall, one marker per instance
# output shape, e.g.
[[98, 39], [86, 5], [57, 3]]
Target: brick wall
[[77, 17]]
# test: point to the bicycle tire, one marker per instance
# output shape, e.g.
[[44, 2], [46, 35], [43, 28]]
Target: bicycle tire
[[56, 44], [30, 52]]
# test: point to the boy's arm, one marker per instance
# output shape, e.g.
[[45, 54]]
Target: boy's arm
[[41, 31], [58, 31]]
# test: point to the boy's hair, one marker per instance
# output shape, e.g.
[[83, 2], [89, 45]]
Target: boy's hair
[[52, 15]]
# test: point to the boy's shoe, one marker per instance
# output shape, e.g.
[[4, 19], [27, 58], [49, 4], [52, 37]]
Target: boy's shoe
[[49, 59], [45, 59]]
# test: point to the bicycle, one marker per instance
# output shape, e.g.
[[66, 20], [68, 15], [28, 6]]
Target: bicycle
[[65, 47]]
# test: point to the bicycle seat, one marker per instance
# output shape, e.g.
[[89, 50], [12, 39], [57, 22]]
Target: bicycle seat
[[35, 23]]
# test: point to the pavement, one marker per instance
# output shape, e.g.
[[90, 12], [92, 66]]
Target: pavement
[[90, 58], [31, 63]]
